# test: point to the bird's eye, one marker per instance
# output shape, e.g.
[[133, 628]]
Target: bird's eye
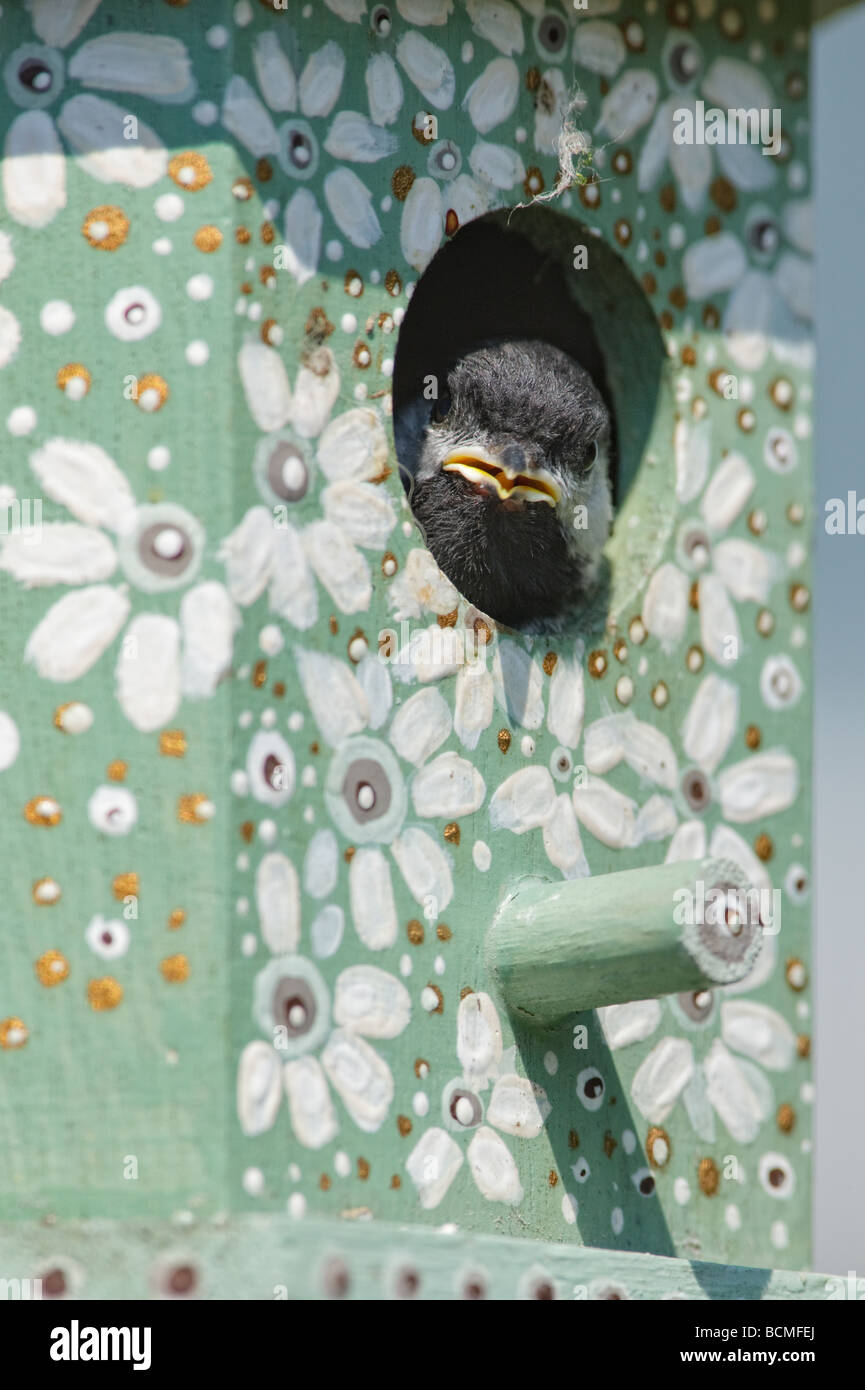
[[441, 407]]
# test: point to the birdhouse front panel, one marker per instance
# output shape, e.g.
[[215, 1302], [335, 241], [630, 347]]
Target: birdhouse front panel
[[334, 624]]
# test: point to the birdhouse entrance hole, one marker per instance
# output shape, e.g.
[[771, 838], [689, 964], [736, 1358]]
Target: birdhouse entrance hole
[[534, 273]]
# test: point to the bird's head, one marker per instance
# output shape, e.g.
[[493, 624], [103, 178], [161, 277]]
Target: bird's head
[[511, 486]]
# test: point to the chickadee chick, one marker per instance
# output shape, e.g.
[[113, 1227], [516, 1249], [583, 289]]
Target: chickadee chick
[[510, 483]]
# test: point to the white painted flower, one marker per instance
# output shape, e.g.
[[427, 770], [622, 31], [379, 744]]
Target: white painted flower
[[158, 548], [95, 129], [318, 1045], [515, 1107]]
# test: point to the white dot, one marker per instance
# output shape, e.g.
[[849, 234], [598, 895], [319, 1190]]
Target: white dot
[[386, 203], [241, 863], [482, 855], [439, 965], [271, 640], [267, 831], [249, 943], [405, 966], [297, 1015], [75, 388], [387, 367], [617, 1220], [197, 353], [348, 323], [341, 1164], [551, 1063], [733, 1217], [779, 1235], [420, 1103], [294, 1172], [169, 206], [199, 287], [570, 1207], [253, 1182], [242, 13], [168, 543], [268, 718], [365, 797], [162, 246], [333, 250], [241, 907], [806, 1092], [297, 1205], [57, 316], [21, 420], [429, 999], [464, 1110], [295, 721], [158, 457], [629, 1141], [527, 746], [293, 473], [467, 52], [205, 112], [217, 37], [681, 1191]]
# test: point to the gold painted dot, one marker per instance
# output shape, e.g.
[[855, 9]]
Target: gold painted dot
[[624, 690], [610, 1144], [401, 181], [125, 886], [263, 170], [765, 622], [695, 658], [622, 231], [451, 832], [553, 1178], [324, 1182], [446, 620], [800, 597], [393, 283], [708, 1176], [396, 1182], [504, 739], [795, 513], [247, 830], [440, 1006], [105, 993], [452, 222], [415, 933], [151, 392], [622, 162], [763, 847], [74, 372], [620, 649], [52, 968], [190, 171], [361, 356], [758, 521], [658, 1147], [176, 918], [781, 392], [443, 932], [174, 969], [194, 809], [796, 974], [466, 991], [271, 333], [105, 227], [403, 1124], [637, 631], [785, 1118], [573, 1139], [116, 771], [421, 1068], [747, 420], [13, 1034], [803, 1045], [243, 189], [259, 674], [172, 743], [549, 662], [597, 664], [660, 695], [46, 892], [362, 1169], [753, 737], [208, 239], [43, 810]]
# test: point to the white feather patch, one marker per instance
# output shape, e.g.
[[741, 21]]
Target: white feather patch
[[247, 119], [333, 694], [83, 478], [265, 385], [449, 786], [350, 203], [150, 65], [96, 128], [339, 565], [58, 553], [75, 632], [424, 867], [420, 726], [247, 554], [148, 671], [373, 908], [209, 620], [34, 170]]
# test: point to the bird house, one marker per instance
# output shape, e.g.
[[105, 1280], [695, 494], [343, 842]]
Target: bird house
[[356, 942]]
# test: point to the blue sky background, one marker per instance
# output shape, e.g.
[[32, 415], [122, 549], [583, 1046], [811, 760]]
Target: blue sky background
[[839, 159]]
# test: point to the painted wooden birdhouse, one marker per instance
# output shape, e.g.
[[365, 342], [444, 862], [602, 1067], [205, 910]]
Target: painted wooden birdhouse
[[354, 941]]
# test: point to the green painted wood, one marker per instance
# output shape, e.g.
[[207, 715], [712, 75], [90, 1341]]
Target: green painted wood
[[129, 1114], [557, 949]]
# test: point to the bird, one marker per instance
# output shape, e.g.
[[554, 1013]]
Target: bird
[[507, 468]]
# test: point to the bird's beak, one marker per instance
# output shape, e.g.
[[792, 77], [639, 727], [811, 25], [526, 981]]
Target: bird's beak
[[484, 470]]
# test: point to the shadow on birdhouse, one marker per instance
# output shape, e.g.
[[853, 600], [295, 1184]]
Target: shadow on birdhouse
[[530, 351]]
